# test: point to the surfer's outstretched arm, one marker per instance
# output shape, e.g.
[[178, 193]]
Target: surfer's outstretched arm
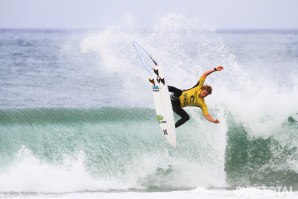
[[208, 72], [210, 119]]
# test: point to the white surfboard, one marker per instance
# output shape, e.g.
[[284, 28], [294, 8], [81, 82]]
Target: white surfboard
[[161, 95]]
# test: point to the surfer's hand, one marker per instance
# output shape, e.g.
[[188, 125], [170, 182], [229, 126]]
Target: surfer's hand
[[216, 121], [219, 68]]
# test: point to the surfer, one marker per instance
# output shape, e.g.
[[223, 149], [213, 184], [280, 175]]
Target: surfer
[[192, 97]]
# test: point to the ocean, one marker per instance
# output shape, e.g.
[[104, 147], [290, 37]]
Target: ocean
[[77, 117]]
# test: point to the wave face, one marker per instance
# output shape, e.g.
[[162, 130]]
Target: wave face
[[268, 161], [66, 150], [70, 150]]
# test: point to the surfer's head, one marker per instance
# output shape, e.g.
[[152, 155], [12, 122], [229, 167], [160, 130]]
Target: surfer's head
[[206, 90]]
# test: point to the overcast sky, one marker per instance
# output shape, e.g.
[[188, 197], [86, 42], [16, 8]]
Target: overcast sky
[[221, 14]]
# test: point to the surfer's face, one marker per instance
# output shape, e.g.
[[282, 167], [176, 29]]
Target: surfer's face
[[204, 93]]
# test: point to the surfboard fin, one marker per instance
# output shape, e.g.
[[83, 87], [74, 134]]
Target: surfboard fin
[[151, 80], [156, 71], [162, 80]]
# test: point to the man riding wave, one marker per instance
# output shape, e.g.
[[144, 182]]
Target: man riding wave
[[192, 97]]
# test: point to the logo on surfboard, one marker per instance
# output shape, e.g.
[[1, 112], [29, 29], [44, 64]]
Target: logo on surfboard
[[160, 119], [155, 88], [165, 132]]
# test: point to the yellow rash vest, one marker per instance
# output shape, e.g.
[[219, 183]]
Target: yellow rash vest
[[191, 97]]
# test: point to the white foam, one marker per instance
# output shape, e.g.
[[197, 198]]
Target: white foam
[[193, 194], [29, 174]]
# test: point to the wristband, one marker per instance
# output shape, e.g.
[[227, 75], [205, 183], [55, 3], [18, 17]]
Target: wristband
[[215, 69]]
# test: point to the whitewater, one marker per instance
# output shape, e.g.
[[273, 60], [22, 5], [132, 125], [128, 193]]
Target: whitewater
[[77, 117]]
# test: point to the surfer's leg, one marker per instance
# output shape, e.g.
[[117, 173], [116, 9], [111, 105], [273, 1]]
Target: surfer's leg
[[177, 106], [176, 92], [182, 113], [179, 111]]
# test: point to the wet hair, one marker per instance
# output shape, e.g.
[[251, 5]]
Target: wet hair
[[207, 88]]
